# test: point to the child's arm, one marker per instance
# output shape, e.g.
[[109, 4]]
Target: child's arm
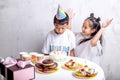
[[72, 53], [99, 33]]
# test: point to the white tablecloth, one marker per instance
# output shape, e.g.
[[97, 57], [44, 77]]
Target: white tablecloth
[[63, 74]]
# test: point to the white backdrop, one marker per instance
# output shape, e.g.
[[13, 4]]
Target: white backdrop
[[25, 23]]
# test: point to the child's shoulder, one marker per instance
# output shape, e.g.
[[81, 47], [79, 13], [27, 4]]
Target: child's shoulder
[[78, 33], [50, 33], [69, 31]]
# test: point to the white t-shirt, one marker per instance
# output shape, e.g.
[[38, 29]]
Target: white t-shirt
[[59, 42], [85, 50]]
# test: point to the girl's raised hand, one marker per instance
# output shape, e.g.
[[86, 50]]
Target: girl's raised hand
[[106, 23], [70, 13]]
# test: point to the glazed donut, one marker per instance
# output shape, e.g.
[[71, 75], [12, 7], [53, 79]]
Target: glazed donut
[[52, 66], [39, 66], [48, 62], [47, 66]]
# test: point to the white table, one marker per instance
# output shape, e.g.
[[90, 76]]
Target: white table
[[63, 74]]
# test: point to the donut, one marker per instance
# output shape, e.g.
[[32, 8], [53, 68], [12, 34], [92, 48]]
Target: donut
[[52, 66], [39, 66], [47, 66], [48, 62], [50, 70]]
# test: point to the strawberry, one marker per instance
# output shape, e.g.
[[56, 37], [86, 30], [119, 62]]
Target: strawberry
[[82, 69]]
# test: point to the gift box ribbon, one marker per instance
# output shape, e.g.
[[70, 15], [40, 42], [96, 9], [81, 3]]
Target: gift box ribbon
[[8, 62]]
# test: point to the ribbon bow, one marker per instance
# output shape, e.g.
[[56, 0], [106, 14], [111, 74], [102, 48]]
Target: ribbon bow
[[8, 62]]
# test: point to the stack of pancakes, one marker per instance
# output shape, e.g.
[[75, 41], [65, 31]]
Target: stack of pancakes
[[47, 66]]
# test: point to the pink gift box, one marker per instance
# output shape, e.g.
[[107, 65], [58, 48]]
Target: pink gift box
[[16, 73]]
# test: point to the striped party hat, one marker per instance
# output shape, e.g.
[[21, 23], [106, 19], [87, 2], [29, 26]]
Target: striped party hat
[[60, 13]]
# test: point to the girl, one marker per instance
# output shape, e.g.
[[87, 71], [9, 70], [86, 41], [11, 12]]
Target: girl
[[88, 44]]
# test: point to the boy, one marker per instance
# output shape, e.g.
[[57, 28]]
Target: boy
[[60, 39]]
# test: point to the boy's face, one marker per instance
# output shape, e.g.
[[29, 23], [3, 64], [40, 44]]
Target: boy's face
[[60, 29]]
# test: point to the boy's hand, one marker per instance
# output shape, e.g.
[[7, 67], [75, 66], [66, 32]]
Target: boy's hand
[[106, 23], [70, 13]]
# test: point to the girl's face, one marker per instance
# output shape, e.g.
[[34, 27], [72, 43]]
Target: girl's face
[[86, 28], [60, 29]]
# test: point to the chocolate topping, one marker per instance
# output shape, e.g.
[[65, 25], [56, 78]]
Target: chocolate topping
[[48, 61], [47, 65]]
